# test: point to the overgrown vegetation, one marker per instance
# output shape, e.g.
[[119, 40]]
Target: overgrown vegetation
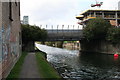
[[96, 29], [45, 69], [31, 34], [101, 29], [113, 35], [17, 68]]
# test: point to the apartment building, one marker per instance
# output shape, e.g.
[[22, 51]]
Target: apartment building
[[25, 20], [113, 16]]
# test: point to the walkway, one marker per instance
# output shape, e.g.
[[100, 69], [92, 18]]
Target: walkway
[[30, 69]]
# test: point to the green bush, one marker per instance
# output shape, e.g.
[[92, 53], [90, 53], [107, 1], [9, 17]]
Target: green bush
[[33, 33], [96, 28], [113, 35]]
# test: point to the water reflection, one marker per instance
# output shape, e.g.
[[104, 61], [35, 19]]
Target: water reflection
[[100, 66], [75, 65], [99, 60]]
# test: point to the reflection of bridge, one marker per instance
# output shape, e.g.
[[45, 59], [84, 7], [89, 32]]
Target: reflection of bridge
[[64, 34]]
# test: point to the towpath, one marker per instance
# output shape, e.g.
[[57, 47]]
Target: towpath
[[29, 68]]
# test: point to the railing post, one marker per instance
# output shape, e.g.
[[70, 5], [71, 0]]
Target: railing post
[[73, 27], [73, 30], [62, 31], [68, 27], [46, 26], [52, 28], [57, 30], [40, 26]]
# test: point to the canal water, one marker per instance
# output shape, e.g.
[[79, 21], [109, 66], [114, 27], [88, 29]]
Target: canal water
[[74, 65]]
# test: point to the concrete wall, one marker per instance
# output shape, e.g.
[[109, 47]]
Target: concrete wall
[[10, 38], [100, 46]]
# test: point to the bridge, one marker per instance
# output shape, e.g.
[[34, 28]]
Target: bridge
[[64, 34]]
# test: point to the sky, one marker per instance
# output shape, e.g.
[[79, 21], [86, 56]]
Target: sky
[[59, 12]]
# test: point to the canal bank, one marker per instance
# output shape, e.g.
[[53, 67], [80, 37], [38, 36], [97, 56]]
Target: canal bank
[[72, 64], [45, 69], [33, 65], [99, 46]]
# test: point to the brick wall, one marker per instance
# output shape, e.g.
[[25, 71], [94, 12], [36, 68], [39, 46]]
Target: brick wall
[[0, 41], [11, 32]]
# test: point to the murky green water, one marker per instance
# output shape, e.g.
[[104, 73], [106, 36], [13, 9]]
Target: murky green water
[[78, 66]]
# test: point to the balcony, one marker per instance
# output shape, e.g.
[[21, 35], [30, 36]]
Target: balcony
[[88, 18]]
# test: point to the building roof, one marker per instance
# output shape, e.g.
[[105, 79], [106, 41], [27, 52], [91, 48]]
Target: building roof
[[97, 10]]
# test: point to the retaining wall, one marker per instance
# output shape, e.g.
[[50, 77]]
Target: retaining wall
[[100, 46]]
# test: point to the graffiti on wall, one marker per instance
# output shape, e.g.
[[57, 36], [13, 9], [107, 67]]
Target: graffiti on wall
[[5, 42], [0, 44], [8, 44]]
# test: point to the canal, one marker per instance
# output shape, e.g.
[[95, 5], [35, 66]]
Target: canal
[[75, 65]]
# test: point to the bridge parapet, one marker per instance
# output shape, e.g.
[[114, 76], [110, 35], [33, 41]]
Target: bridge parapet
[[64, 34]]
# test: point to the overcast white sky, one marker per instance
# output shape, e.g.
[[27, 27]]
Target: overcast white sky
[[59, 12]]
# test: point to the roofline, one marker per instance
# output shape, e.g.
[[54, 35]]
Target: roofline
[[96, 10]]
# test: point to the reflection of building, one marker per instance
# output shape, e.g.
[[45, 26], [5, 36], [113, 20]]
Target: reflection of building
[[10, 36], [25, 20], [113, 16]]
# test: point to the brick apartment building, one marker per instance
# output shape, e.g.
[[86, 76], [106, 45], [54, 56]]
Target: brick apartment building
[[10, 35]]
